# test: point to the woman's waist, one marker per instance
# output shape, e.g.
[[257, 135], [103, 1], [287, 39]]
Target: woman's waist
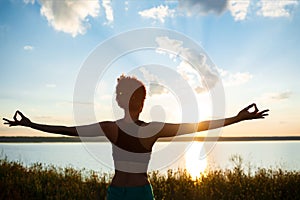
[[127, 179]]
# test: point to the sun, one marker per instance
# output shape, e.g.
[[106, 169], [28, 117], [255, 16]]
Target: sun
[[193, 162]]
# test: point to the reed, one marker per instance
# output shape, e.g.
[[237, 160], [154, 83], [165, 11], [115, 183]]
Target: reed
[[48, 182]]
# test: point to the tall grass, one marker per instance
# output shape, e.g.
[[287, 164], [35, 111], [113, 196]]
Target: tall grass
[[47, 182]]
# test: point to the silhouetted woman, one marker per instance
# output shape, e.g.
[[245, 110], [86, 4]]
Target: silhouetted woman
[[132, 139]]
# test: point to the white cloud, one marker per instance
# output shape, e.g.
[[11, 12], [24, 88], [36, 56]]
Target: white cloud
[[189, 74], [51, 85], [29, 1], [108, 11], [156, 85], [202, 7], [156, 89], [69, 16], [282, 95], [167, 43], [238, 9], [126, 3], [158, 13], [28, 48], [276, 8], [234, 79], [276, 96], [194, 65]]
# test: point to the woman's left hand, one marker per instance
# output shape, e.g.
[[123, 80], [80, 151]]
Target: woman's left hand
[[24, 121], [256, 114]]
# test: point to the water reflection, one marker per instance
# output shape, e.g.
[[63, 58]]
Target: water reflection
[[194, 163]]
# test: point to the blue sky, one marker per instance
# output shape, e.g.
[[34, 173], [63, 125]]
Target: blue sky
[[254, 44]]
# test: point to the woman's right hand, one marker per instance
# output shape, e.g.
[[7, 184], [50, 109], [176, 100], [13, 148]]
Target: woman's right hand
[[24, 121]]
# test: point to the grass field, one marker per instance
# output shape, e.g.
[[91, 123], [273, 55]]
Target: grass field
[[47, 182]]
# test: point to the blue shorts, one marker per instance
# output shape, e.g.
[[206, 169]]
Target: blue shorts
[[144, 192]]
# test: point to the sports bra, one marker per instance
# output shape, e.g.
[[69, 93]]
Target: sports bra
[[129, 154]]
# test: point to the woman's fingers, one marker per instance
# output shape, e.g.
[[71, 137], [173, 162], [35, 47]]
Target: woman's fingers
[[267, 110], [255, 107], [248, 107], [263, 113], [9, 122], [15, 116], [21, 114]]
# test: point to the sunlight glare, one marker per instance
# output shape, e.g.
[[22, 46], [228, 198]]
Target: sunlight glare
[[193, 163]]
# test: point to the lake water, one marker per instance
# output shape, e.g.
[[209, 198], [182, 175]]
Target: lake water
[[97, 156]]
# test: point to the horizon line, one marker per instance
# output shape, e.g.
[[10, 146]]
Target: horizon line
[[35, 139]]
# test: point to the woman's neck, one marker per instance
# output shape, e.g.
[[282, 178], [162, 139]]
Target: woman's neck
[[131, 116]]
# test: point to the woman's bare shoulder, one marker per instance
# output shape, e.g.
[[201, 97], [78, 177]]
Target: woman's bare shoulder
[[110, 129]]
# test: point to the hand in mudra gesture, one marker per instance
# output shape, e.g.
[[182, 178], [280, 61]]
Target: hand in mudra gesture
[[245, 114], [24, 121]]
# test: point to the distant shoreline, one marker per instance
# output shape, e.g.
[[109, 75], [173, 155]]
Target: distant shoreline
[[176, 139]]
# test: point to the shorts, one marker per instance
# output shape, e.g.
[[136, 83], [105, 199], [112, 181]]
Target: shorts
[[144, 192]]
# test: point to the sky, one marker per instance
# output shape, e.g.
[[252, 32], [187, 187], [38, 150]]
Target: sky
[[251, 47]]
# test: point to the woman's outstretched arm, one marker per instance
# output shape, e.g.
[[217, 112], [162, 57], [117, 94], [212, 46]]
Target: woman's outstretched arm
[[171, 130], [91, 130]]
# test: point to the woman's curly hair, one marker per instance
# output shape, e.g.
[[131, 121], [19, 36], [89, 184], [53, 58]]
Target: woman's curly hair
[[130, 93]]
